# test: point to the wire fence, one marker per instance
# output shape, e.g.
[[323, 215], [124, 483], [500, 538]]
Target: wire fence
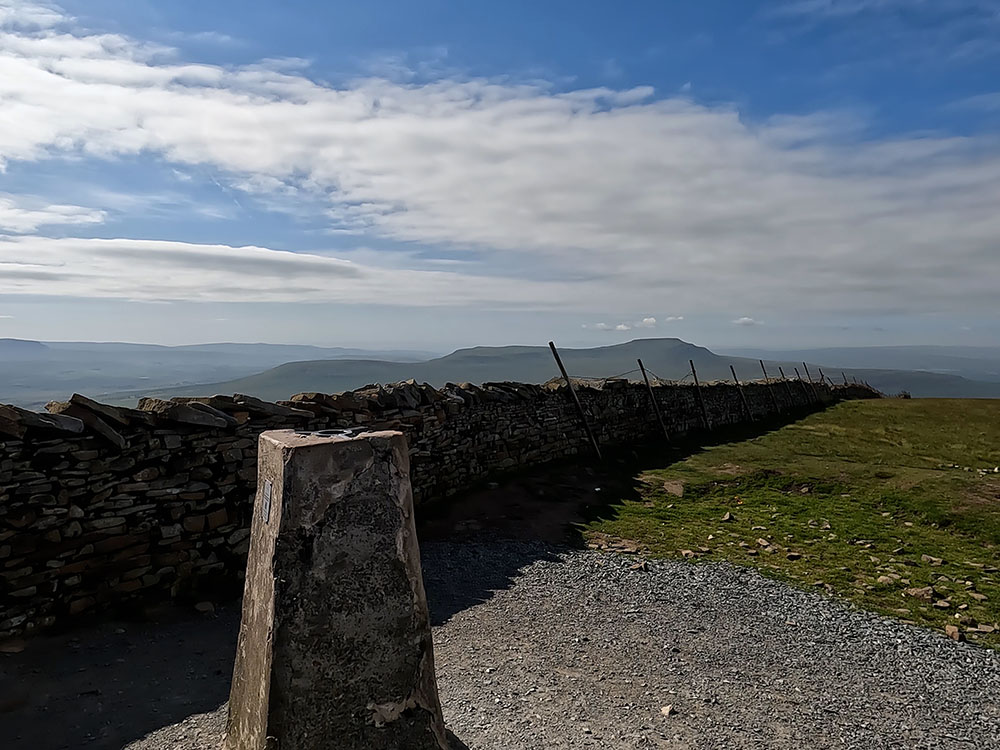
[[706, 420], [689, 377], [654, 377]]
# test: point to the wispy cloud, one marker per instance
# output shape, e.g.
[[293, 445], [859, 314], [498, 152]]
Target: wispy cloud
[[159, 271], [847, 8], [21, 214], [648, 322], [938, 31], [617, 198], [988, 102], [212, 38], [745, 321]]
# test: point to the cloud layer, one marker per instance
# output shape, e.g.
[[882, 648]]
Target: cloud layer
[[153, 270], [21, 214], [615, 198]]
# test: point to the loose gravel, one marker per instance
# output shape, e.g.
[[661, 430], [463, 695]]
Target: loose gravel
[[546, 647]]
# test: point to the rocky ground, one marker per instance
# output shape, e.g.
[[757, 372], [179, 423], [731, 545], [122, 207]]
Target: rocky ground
[[539, 646]]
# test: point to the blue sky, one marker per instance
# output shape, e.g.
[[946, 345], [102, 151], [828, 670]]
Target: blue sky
[[441, 174]]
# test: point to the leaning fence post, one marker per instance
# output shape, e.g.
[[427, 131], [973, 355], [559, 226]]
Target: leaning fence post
[[770, 391], [743, 396], [701, 399], [652, 398], [788, 388], [812, 385], [576, 400], [802, 384], [334, 649]]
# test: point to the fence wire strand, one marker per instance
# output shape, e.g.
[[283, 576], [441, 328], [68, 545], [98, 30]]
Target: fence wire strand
[[649, 372]]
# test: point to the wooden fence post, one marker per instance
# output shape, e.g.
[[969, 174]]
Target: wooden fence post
[[812, 385], [770, 391], [701, 399], [576, 400], [788, 388], [652, 398], [743, 396], [802, 384]]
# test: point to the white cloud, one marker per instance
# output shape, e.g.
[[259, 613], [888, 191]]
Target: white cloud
[[673, 318], [649, 322], [744, 321], [988, 102], [639, 197], [26, 214], [151, 270], [28, 15], [214, 38]]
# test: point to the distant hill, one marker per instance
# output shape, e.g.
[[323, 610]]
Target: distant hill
[[973, 362], [284, 352], [926, 384], [32, 372], [21, 349], [667, 358]]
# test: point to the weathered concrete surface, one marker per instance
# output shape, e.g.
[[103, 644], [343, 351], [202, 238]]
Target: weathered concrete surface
[[335, 645]]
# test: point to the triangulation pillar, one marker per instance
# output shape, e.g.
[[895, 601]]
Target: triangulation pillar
[[335, 645]]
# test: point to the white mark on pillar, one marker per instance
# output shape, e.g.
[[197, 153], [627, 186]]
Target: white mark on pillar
[[266, 509]]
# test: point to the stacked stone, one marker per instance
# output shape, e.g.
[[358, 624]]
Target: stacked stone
[[102, 505]]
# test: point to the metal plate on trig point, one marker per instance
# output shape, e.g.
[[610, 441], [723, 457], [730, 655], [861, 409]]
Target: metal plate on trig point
[[266, 506]]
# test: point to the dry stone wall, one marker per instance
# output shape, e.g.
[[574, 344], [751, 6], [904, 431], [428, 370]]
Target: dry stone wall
[[102, 505]]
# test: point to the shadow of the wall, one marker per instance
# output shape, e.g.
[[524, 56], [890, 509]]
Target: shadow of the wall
[[112, 682], [115, 681]]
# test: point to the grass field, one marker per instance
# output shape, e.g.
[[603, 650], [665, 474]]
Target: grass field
[[891, 504]]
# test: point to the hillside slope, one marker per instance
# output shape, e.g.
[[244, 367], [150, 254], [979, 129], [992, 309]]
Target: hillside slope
[[33, 372], [667, 358], [972, 362]]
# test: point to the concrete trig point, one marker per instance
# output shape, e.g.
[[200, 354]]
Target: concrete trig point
[[335, 645]]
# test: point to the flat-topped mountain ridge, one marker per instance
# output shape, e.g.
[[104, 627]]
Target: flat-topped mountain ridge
[[32, 373], [666, 358]]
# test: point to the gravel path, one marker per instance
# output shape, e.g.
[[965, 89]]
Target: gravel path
[[542, 647]]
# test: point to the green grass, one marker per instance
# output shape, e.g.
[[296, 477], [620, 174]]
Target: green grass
[[865, 500]]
